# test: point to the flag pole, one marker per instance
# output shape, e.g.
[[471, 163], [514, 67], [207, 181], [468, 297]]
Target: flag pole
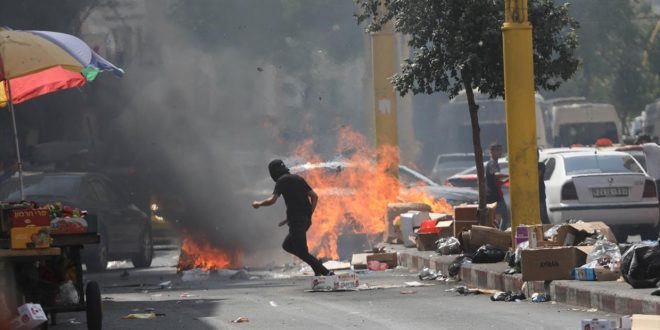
[[10, 103]]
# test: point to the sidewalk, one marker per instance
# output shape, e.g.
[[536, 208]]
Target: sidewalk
[[616, 297]]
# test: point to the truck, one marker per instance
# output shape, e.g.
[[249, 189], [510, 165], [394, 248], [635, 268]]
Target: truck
[[584, 123], [456, 129]]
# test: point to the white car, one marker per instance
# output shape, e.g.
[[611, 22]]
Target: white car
[[608, 186]]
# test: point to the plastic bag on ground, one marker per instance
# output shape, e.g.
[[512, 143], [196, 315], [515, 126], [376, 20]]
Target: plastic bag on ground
[[427, 274], [455, 266], [522, 246], [68, 294], [488, 254], [640, 265], [448, 245]]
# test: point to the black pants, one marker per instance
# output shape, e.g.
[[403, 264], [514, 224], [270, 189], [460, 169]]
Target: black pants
[[296, 244]]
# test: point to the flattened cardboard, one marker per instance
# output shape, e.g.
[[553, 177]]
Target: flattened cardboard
[[468, 212], [339, 282], [574, 234], [359, 260], [552, 263]]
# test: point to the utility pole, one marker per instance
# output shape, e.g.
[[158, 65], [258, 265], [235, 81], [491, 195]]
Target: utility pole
[[520, 115], [383, 59]]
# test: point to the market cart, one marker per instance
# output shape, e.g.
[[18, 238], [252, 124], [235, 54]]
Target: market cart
[[52, 277]]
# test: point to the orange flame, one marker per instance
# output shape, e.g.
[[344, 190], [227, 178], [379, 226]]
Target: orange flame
[[354, 200], [198, 252]]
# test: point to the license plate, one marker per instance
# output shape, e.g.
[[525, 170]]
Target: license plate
[[610, 192]]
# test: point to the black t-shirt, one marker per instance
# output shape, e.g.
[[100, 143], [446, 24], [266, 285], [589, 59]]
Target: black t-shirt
[[295, 191], [493, 190]]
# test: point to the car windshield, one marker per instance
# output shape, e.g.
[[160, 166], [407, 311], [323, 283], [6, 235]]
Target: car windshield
[[592, 164], [45, 187]]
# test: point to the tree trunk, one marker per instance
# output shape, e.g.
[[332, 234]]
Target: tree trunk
[[476, 145]]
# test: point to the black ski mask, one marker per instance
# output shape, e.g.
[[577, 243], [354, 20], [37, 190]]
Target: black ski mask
[[276, 168]]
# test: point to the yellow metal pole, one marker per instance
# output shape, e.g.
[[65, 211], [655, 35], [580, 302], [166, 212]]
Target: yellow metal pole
[[383, 57], [520, 115]]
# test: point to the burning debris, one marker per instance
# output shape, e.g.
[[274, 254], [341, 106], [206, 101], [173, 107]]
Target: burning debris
[[354, 192], [198, 252]]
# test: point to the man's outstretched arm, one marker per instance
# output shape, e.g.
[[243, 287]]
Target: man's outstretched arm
[[266, 202]]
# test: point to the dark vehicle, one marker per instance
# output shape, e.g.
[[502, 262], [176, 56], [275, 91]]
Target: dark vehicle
[[124, 229]]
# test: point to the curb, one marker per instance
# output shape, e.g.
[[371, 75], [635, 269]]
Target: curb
[[613, 297]]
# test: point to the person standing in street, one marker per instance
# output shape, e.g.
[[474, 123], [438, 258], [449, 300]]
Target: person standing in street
[[494, 184], [543, 208], [300, 202], [651, 153]]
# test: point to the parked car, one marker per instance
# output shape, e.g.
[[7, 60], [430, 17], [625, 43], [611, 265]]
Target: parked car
[[447, 165], [125, 230], [608, 186]]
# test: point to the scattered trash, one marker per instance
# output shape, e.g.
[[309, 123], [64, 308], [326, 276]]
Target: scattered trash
[[488, 254], [240, 275], [415, 284], [167, 284], [508, 296], [408, 292], [157, 295], [540, 297], [140, 316], [449, 245], [73, 321], [68, 294], [592, 310], [464, 290], [242, 319], [149, 309], [639, 265], [455, 266], [195, 274], [377, 265], [187, 295], [272, 303], [427, 275]]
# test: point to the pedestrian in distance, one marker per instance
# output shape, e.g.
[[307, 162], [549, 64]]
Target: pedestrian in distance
[[300, 202], [542, 205], [494, 182]]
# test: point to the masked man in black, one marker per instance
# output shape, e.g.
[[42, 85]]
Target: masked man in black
[[300, 202]]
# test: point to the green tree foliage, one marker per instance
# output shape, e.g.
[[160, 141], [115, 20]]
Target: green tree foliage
[[614, 36], [457, 44]]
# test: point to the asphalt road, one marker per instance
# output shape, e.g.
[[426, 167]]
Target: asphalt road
[[279, 300]]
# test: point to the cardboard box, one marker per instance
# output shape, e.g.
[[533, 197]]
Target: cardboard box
[[552, 263], [640, 322], [595, 274], [574, 234], [598, 324], [468, 212], [30, 237], [451, 228], [481, 235], [30, 316], [337, 282], [390, 258], [427, 242], [39, 217], [359, 260], [412, 220]]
